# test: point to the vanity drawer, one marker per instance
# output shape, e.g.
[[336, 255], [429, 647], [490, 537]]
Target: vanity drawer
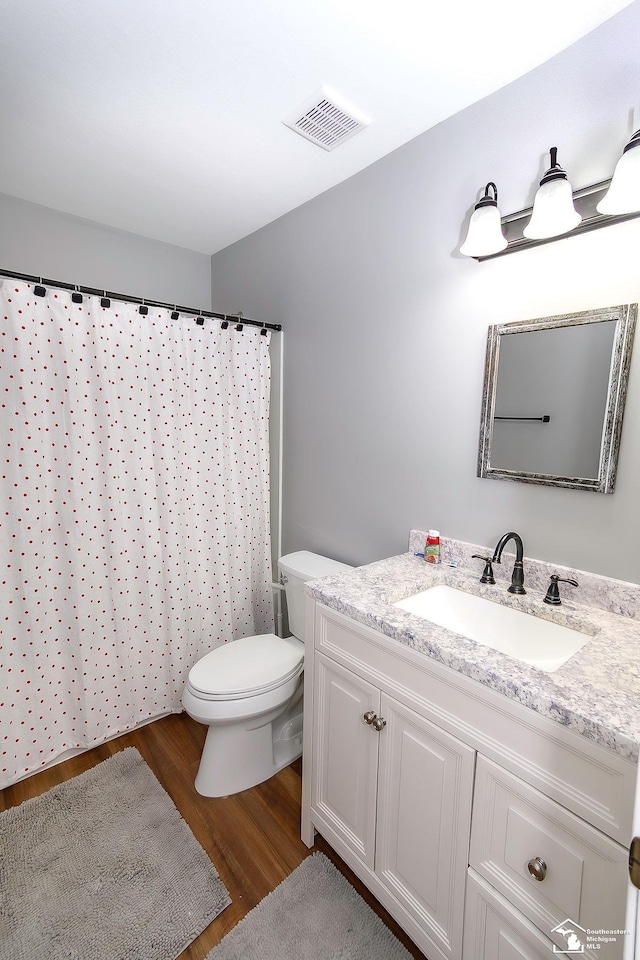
[[494, 930], [583, 874]]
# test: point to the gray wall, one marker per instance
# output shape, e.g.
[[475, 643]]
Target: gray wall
[[385, 324], [37, 240]]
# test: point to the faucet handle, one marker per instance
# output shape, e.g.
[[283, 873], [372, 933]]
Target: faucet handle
[[553, 593], [487, 573]]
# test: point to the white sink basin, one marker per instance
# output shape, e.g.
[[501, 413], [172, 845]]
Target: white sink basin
[[538, 642]]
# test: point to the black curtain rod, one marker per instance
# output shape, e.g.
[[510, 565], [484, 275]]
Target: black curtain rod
[[92, 291]]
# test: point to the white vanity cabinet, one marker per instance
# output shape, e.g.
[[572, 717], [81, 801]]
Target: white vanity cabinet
[[477, 823]]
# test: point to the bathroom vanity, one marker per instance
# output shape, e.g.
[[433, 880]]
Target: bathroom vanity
[[486, 803]]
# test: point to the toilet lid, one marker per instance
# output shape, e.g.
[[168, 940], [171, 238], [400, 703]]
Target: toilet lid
[[247, 666]]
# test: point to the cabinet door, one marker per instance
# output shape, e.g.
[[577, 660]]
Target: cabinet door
[[424, 818], [345, 756]]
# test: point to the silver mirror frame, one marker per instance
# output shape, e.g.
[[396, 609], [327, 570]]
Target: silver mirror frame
[[625, 317]]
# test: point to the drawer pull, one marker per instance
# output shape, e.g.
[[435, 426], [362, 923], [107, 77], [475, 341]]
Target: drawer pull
[[369, 716], [537, 868], [379, 723]]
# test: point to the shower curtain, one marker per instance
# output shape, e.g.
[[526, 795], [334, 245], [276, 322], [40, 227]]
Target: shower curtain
[[134, 499]]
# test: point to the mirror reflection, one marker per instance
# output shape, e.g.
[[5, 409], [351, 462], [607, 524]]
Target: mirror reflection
[[554, 398]]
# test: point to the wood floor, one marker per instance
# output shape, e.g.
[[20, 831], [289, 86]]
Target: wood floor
[[253, 838]]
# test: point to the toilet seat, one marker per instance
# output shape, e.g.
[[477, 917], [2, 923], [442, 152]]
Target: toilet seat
[[246, 667]]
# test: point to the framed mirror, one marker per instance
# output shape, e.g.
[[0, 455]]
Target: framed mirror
[[553, 398]]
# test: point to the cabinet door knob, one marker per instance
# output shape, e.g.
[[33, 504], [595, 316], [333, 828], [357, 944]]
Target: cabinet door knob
[[634, 862], [537, 868], [379, 723], [369, 716]]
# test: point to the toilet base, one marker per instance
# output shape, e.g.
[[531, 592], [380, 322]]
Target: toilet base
[[239, 756]]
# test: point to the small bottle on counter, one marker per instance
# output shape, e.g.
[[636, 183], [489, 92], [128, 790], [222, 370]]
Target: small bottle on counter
[[432, 547]]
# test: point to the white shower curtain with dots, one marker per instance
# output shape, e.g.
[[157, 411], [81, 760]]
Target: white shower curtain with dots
[[134, 498]]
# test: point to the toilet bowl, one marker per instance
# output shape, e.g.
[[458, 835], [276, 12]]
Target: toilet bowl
[[249, 693]]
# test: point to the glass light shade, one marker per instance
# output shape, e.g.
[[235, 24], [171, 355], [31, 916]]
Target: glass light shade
[[623, 195], [484, 235], [553, 211]]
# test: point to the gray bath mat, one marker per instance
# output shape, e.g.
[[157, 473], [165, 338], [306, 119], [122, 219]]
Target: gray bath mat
[[103, 867], [315, 914]]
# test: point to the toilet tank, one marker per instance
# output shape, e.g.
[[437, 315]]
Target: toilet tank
[[295, 569]]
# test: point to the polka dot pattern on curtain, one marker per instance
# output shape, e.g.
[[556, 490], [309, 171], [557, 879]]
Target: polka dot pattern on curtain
[[134, 499]]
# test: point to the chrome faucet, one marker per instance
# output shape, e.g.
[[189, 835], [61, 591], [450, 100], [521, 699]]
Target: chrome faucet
[[517, 577]]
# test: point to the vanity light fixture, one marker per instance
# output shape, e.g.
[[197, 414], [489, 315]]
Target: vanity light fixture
[[558, 211], [484, 236], [553, 209]]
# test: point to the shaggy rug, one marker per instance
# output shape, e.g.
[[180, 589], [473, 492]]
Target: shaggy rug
[[315, 914], [103, 867]]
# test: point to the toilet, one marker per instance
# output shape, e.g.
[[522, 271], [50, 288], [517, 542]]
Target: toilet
[[249, 693]]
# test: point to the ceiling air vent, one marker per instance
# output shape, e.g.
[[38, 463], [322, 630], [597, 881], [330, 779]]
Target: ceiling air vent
[[326, 119]]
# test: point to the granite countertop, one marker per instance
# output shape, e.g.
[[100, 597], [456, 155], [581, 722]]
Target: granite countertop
[[596, 693]]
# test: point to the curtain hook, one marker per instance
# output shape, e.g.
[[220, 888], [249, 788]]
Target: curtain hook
[[143, 309], [175, 314], [240, 316], [39, 289], [76, 296], [104, 300]]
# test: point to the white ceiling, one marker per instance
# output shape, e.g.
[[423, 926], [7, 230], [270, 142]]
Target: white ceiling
[[164, 117]]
